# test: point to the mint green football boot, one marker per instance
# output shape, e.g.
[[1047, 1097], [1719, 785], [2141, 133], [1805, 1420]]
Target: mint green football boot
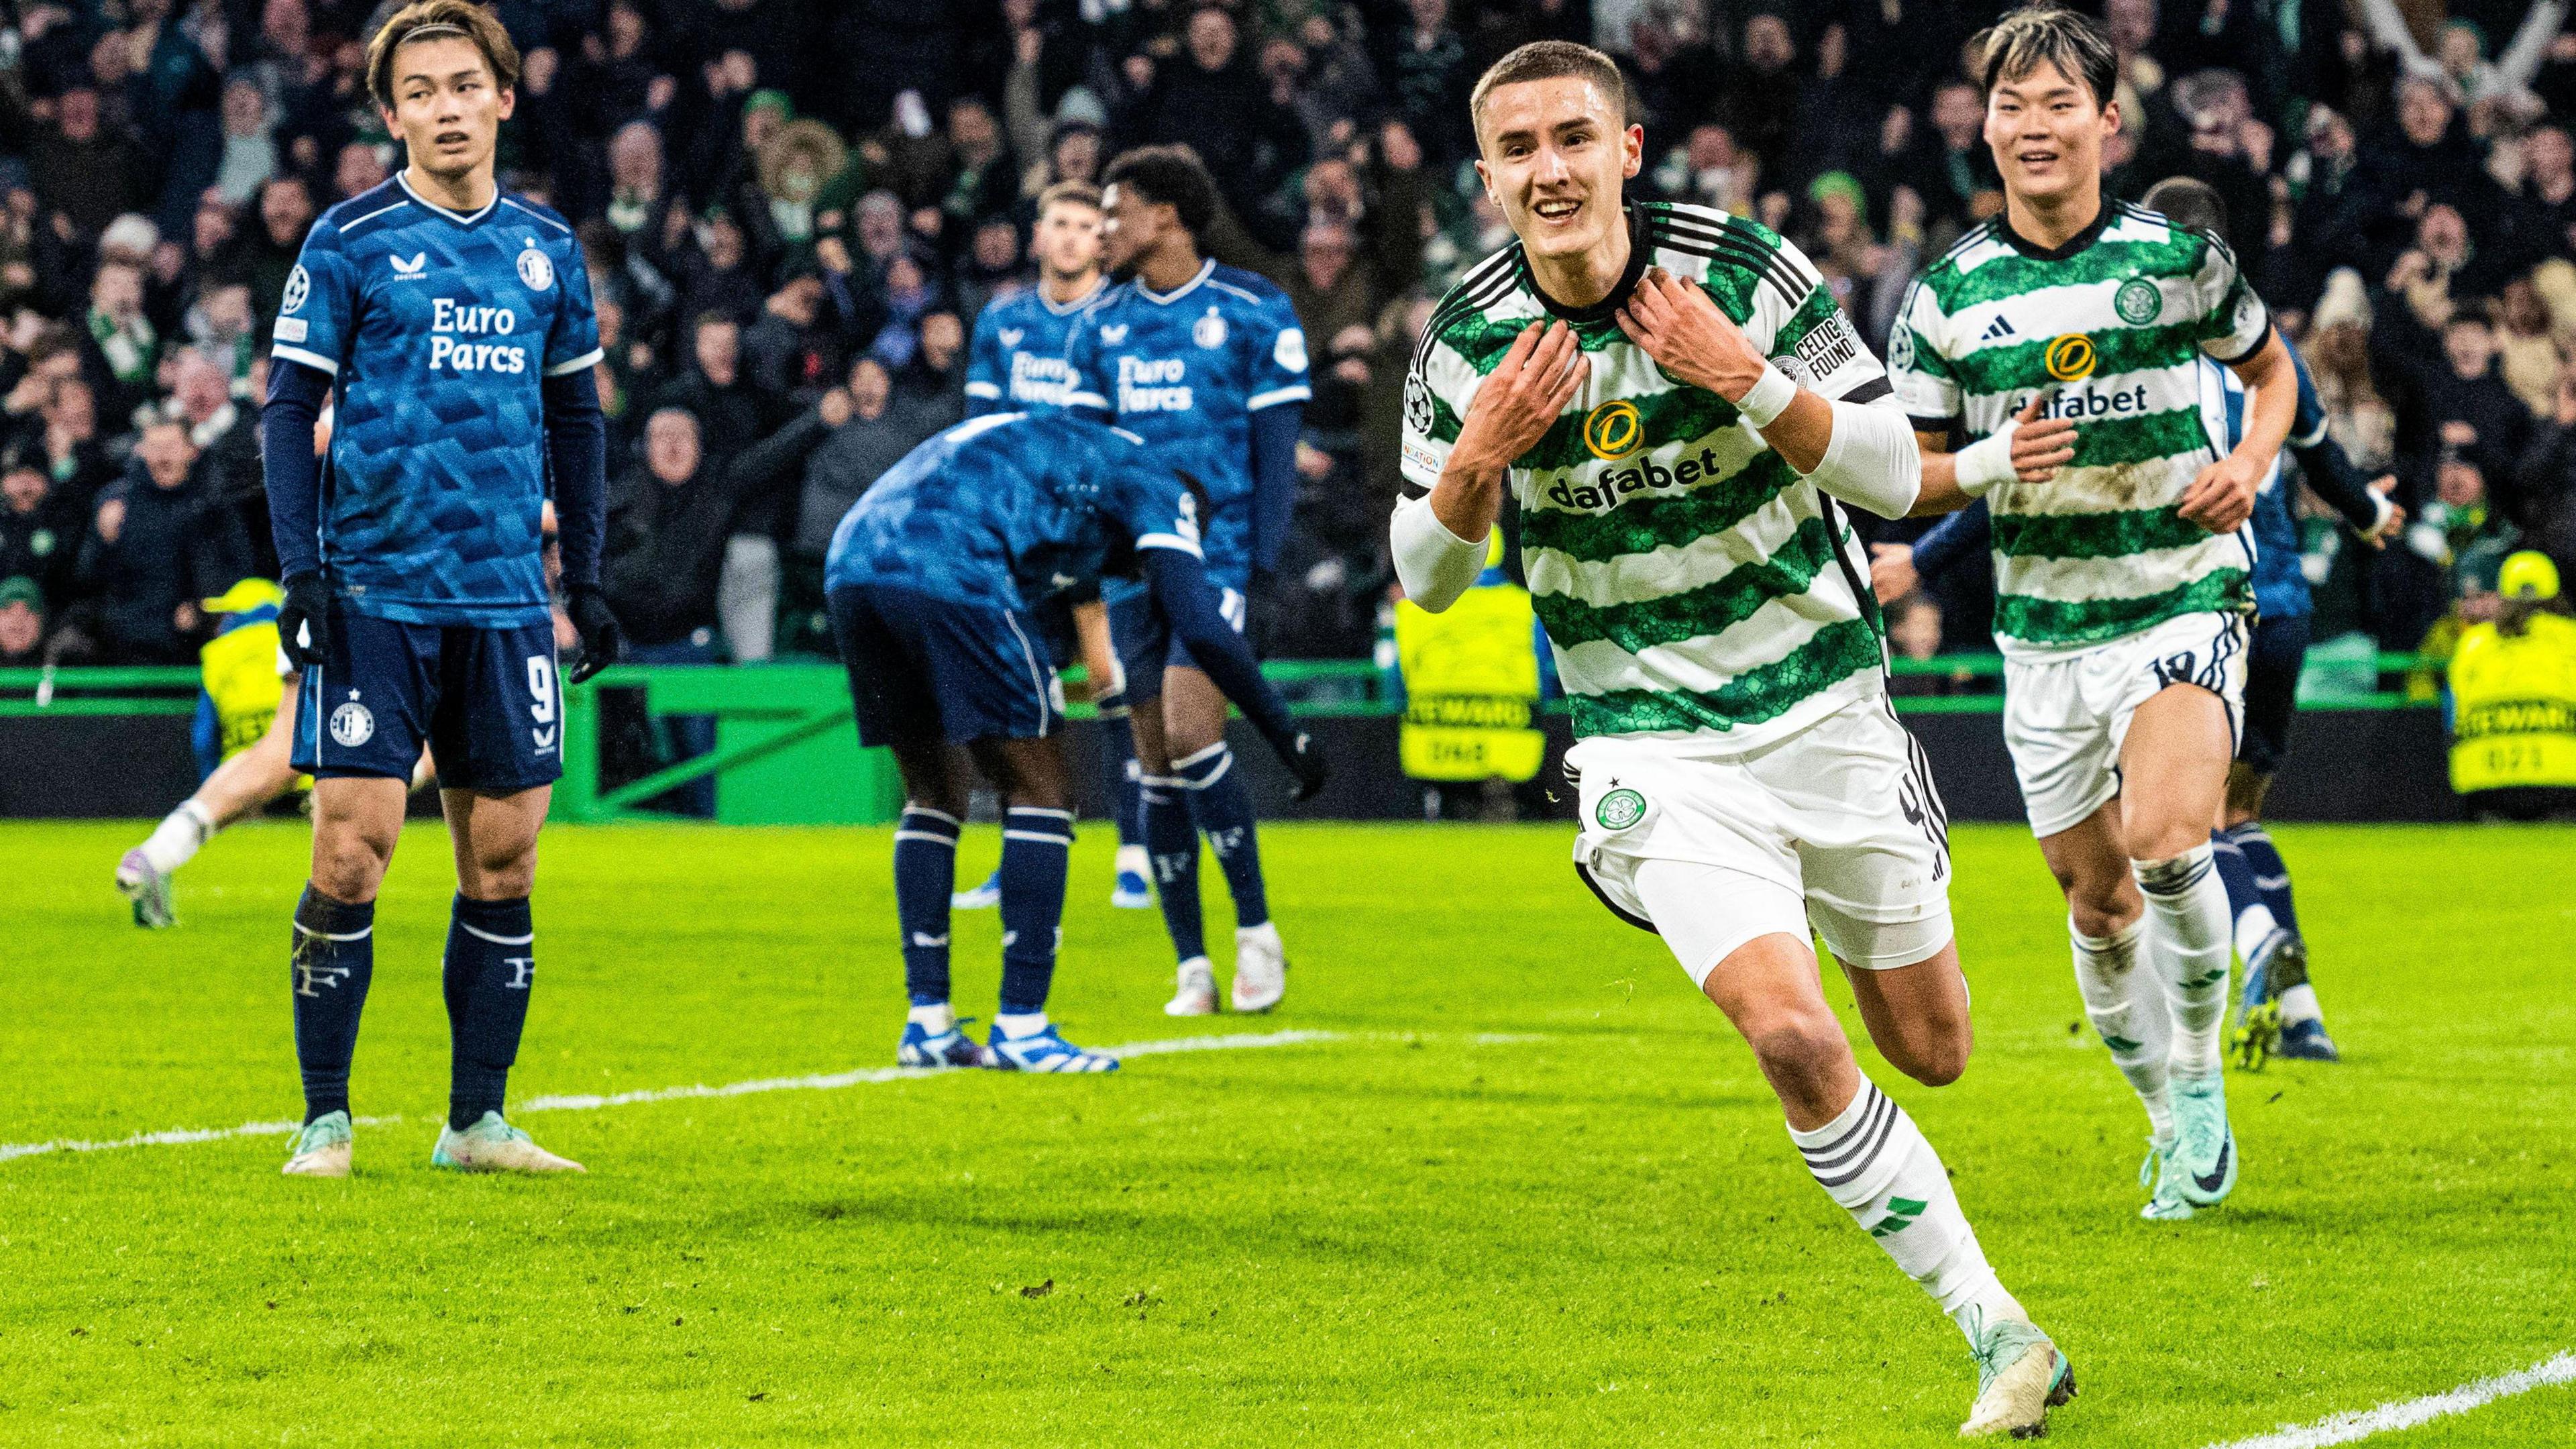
[[320, 1148], [493, 1145]]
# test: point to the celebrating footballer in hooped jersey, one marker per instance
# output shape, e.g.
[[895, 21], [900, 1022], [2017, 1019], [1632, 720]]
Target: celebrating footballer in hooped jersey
[[1017, 364], [2123, 584], [937, 580], [451, 328], [1677, 410], [1205, 362]]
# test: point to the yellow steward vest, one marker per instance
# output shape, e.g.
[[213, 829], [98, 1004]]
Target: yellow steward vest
[[2514, 707], [1470, 686], [240, 670]]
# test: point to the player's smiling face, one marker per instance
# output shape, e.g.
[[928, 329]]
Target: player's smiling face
[[2046, 131], [1554, 156], [447, 107]]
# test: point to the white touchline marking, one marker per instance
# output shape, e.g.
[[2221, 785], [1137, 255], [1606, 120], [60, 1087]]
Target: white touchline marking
[[2388, 1418], [826, 1082]]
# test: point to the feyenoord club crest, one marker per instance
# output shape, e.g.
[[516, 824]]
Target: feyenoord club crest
[[1208, 331], [534, 269], [352, 725]]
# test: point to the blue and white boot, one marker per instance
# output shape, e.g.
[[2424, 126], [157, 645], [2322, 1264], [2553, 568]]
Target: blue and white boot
[[1043, 1050], [923, 1047], [1135, 888], [2202, 1162], [979, 898], [2306, 1041]]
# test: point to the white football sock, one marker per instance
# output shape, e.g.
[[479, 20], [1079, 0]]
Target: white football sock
[[2189, 950], [936, 1019], [2253, 929], [1136, 860], [2127, 1006], [1015, 1026], [179, 836], [1875, 1162], [2298, 1004]]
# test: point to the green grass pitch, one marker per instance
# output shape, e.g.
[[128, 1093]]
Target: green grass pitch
[[1534, 1193]]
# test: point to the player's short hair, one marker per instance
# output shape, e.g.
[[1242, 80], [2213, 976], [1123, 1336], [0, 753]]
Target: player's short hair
[[1168, 175], [1073, 193], [2189, 203], [1549, 60], [2047, 33], [437, 20]]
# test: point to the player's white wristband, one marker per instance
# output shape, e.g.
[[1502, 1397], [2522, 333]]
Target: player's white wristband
[[2381, 508], [1986, 462], [1763, 404]]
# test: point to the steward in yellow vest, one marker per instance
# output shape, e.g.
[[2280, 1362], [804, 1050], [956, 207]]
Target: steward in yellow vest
[[1471, 682], [2513, 700]]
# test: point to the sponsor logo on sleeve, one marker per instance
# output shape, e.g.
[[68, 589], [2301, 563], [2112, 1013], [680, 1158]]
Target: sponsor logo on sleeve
[[1417, 404], [1829, 346], [1290, 351], [299, 285]]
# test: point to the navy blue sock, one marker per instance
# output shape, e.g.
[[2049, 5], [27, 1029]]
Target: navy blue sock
[[925, 871], [334, 958], [491, 971], [2234, 873], [1035, 844], [1126, 778], [2271, 873], [1174, 840], [1223, 808]]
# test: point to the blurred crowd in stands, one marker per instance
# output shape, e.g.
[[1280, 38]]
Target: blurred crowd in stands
[[794, 209]]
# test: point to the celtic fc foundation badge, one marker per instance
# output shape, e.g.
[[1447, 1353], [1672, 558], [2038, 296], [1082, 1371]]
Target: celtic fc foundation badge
[[2137, 301], [1620, 809]]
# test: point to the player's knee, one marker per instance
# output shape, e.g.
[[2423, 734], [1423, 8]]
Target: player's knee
[[1938, 1056], [348, 865], [2101, 903], [1800, 1053]]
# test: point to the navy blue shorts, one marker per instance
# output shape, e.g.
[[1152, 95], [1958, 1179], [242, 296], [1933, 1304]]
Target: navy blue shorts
[[2272, 664], [1145, 642], [925, 668], [486, 701]]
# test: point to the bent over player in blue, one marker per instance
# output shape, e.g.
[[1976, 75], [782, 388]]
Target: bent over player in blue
[[1208, 364], [936, 580], [451, 327]]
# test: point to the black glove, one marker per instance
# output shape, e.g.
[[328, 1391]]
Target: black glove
[[304, 620], [601, 640], [1305, 760]]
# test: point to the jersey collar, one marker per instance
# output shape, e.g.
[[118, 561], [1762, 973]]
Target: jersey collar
[[1078, 303], [1207, 269], [459, 217], [2091, 233], [1641, 254]]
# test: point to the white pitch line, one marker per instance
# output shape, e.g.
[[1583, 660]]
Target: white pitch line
[[826, 1082], [2388, 1418]]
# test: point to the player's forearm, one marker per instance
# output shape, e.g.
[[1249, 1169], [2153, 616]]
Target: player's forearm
[[1274, 480], [1939, 491], [2274, 382], [1867, 456], [1434, 564], [2340, 482], [292, 473], [577, 452]]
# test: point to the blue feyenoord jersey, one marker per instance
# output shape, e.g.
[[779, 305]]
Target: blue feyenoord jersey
[[437, 328], [1185, 371], [1017, 361], [1010, 508], [2280, 588]]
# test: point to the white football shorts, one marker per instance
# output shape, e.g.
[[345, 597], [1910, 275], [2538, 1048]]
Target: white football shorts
[[1837, 828], [2066, 715]]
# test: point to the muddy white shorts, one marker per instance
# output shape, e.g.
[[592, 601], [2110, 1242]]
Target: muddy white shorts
[[2066, 715], [1837, 828]]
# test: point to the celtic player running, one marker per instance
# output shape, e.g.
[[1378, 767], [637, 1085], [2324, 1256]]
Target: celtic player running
[[1672, 404], [2123, 593]]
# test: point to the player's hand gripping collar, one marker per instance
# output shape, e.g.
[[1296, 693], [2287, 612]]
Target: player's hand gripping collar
[[1305, 760], [601, 639], [304, 621]]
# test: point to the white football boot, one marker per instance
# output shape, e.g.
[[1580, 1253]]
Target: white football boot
[[1260, 967], [1197, 993], [493, 1145], [2020, 1377], [320, 1148]]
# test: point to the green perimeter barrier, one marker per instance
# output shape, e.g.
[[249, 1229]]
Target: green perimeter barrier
[[786, 753]]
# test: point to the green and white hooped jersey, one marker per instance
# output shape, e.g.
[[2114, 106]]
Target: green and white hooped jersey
[[2117, 319], [1691, 585]]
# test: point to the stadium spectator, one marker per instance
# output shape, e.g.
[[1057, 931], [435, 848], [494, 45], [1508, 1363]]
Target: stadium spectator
[[38, 536], [155, 547], [22, 622]]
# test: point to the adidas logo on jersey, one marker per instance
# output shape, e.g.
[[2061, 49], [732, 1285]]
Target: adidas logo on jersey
[[1997, 328]]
